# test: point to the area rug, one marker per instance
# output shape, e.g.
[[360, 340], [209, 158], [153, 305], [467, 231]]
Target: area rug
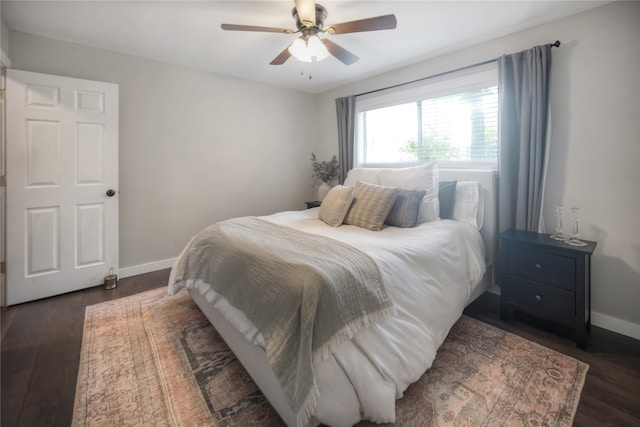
[[154, 360]]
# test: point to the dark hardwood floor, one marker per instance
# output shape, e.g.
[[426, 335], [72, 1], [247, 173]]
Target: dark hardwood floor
[[41, 349], [41, 343]]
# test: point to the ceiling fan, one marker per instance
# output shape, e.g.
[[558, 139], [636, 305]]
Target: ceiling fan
[[309, 18]]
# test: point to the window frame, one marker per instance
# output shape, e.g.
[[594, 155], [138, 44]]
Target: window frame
[[443, 85]]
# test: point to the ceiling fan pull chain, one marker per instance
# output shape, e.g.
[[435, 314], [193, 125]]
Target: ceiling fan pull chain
[[302, 70]]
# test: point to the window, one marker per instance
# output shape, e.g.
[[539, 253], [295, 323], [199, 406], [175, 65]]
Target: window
[[451, 119]]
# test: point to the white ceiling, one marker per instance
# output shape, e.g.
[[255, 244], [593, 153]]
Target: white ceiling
[[188, 32]]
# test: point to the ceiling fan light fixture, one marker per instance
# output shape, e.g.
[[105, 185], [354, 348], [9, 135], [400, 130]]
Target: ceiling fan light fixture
[[316, 48], [305, 49], [299, 50]]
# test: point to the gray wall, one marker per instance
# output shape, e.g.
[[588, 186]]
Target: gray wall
[[595, 139], [195, 147]]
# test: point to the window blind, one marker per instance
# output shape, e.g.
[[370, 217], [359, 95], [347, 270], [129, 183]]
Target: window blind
[[453, 119]]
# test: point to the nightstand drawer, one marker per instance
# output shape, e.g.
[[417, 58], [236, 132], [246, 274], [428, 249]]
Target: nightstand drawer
[[545, 267], [541, 299]]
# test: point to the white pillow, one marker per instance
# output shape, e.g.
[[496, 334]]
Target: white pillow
[[469, 204], [368, 175], [422, 177]]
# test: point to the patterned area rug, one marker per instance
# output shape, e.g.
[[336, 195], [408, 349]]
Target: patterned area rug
[[154, 360]]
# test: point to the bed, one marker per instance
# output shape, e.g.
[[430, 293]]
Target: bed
[[430, 272]]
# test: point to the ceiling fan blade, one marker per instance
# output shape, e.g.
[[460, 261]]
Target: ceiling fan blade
[[385, 22], [234, 27], [282, 57], [339, 52], [306, 12]]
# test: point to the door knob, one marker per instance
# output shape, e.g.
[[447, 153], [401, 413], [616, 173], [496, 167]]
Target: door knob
[[111, 193]]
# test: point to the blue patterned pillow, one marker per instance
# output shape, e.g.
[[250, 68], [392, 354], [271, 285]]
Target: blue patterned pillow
[[404, 212]]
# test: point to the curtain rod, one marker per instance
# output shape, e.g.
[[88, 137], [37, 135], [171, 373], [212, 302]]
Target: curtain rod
[[554, 44]]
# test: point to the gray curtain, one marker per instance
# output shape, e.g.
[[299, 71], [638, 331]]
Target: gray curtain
[[346, 113], [523, 115]]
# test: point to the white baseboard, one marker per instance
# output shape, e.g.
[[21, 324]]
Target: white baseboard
[[600, 320], [614, 324], [146, 268]]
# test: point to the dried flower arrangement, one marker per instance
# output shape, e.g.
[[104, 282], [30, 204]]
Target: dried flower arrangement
[[325, 171]]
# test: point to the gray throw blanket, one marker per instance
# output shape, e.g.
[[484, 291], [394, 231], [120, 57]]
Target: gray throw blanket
[[306, 294]]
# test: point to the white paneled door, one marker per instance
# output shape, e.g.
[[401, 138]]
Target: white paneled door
[[62, 184]]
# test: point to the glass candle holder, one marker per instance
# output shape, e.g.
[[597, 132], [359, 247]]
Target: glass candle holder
[[575, 231], [559, 225]]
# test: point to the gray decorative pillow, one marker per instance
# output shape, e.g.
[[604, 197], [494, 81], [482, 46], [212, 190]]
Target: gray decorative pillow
[[335, 205], [404, 212], [371, 205], [447, 197]]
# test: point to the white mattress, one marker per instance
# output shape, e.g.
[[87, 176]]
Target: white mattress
[[430, 273]]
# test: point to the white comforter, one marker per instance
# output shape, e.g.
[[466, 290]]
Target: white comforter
[[429, 272]]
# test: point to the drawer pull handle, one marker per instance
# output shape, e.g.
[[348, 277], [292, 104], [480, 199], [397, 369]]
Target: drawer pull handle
[[539, 266], [538, 298]]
